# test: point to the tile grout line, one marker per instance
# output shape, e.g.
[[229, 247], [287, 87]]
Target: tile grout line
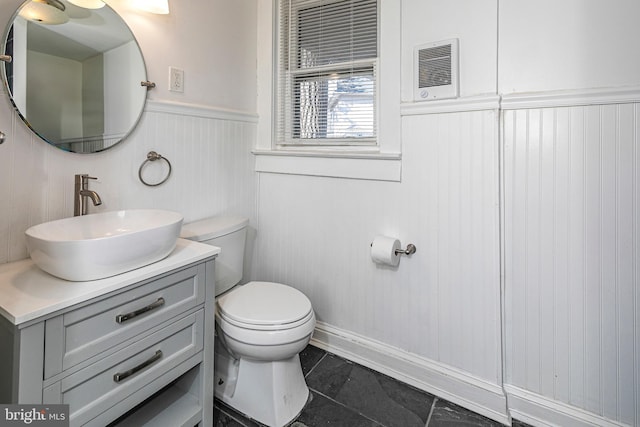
[[351, 409], [347, 407], [433, 406], [242, 422], [316, 364], [330, 398], [238, 417]]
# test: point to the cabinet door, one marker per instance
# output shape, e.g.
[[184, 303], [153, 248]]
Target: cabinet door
[[129, 376], [97, 329]]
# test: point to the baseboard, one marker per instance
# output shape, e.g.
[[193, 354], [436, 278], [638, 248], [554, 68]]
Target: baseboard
[[456, 386], [540, 411]]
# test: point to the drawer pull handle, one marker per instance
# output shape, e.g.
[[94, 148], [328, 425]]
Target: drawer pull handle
[[121, 376], [121, 318]]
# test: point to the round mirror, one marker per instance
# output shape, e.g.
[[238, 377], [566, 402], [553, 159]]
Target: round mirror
[[74, 73]]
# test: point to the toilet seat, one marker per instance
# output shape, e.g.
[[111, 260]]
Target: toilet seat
[[265, 306]]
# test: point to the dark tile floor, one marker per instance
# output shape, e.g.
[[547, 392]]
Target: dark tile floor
[[346, 394]]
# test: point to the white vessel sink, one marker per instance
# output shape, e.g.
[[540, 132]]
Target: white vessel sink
[[101, 245]]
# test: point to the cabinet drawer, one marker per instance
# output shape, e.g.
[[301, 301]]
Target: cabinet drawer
[[100, 327], [101, 385]]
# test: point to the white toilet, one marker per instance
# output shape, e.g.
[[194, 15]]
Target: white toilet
[[260, 329]]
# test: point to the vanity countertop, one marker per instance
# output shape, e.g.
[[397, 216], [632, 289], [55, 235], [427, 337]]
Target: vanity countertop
[[27, 293]]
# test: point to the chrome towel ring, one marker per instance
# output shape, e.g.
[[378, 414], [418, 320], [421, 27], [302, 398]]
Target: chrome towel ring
[[152, 156]]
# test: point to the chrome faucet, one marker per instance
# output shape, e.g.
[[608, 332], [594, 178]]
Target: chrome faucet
[[81, 193]]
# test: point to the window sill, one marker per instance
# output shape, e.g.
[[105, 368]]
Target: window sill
[[337, 164]]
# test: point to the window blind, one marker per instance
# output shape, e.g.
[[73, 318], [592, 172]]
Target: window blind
[[327, 71]]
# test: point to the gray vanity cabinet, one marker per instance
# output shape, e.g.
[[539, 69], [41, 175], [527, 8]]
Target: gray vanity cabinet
[[142, 355]]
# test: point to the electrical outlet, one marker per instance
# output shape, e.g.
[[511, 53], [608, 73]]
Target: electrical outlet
[[176, 79]]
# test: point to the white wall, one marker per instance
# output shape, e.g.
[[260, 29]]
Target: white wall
[[93, 94], [206, 132], [214, 42], [570, 75], [441, 306], [472, 22], [57, 81], [20, 64], [572, 293], [435, 321], [121, 89], [571, 44], [536, 160]]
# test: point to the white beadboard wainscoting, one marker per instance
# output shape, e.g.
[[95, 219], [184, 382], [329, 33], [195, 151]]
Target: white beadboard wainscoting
[[572, 266], [438, 313], [541, 188], [209, 149]]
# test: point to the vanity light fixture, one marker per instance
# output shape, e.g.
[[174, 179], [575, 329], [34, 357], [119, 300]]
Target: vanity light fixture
[[88, 4], [160, 7], [48, 12]]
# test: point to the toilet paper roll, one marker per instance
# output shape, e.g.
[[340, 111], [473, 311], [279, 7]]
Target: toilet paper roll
[[383, 250]]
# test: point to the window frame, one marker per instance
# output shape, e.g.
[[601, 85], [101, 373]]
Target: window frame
[[382, 162], [284, 122]]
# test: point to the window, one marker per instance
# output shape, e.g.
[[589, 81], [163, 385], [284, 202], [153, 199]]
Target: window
[[327, 72]]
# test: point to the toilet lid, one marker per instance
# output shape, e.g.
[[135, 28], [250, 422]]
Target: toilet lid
[[264, 303]]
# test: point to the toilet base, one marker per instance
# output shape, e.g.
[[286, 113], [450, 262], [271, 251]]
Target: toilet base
[[273, 393]]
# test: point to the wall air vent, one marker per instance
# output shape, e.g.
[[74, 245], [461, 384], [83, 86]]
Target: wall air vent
[[436, 70]]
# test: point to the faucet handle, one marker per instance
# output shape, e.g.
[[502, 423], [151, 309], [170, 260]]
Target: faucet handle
[[82, 181], [84, 176]]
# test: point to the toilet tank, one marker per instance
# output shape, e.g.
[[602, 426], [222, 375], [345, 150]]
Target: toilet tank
[[227, 233]]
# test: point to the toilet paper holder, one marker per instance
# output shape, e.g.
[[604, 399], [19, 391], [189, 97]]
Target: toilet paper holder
[[411, 249]]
